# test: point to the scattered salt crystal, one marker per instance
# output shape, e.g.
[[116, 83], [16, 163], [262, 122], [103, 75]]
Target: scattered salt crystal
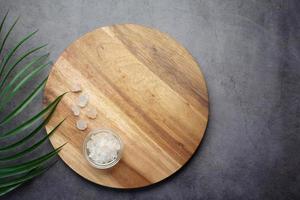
[[76, 110], [76, 87], [83, 100], [91, 113], [81, 124], [103, 148]]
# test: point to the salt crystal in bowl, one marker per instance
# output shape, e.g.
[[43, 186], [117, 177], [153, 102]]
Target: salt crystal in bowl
[[102, 148]]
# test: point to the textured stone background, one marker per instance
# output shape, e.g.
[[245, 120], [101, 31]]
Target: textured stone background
[[249, 53]]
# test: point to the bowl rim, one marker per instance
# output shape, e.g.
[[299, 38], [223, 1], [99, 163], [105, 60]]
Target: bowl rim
[[107, 165]]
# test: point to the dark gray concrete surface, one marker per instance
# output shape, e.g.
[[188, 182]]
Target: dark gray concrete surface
[[249, 53]]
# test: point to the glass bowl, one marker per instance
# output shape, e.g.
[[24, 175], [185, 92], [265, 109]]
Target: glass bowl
[[86, 151]]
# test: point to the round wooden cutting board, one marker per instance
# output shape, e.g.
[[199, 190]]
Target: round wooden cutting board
[[146, 87]]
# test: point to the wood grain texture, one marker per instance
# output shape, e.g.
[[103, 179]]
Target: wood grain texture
[[146, 87]]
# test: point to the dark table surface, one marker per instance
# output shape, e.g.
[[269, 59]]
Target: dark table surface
[[249, 52]]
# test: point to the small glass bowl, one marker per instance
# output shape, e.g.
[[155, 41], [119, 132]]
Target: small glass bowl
[[106, 165]]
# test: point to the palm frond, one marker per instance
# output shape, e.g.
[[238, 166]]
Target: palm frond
[[27, 124], [3, 20], [5, 190], [13, 176], [28, 77], [27, 166], [24, 104], [8, 33], [7, 186], [52, 106], [12, 51], [33, 147], [21, 74], [22, 179], [22, 57]]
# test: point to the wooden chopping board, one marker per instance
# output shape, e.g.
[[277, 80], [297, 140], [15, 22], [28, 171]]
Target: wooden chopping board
[[146, 87]]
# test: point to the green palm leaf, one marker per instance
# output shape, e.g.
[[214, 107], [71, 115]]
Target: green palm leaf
[[13, 176], [29, 122], [51, 107], [21, 74], [31, 148], [27, 166], [5, 185], [33, 73], [12, 51], [18, 61], [25, 103], [2, 22], [5, 190], [9, 31], [22, 179]]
